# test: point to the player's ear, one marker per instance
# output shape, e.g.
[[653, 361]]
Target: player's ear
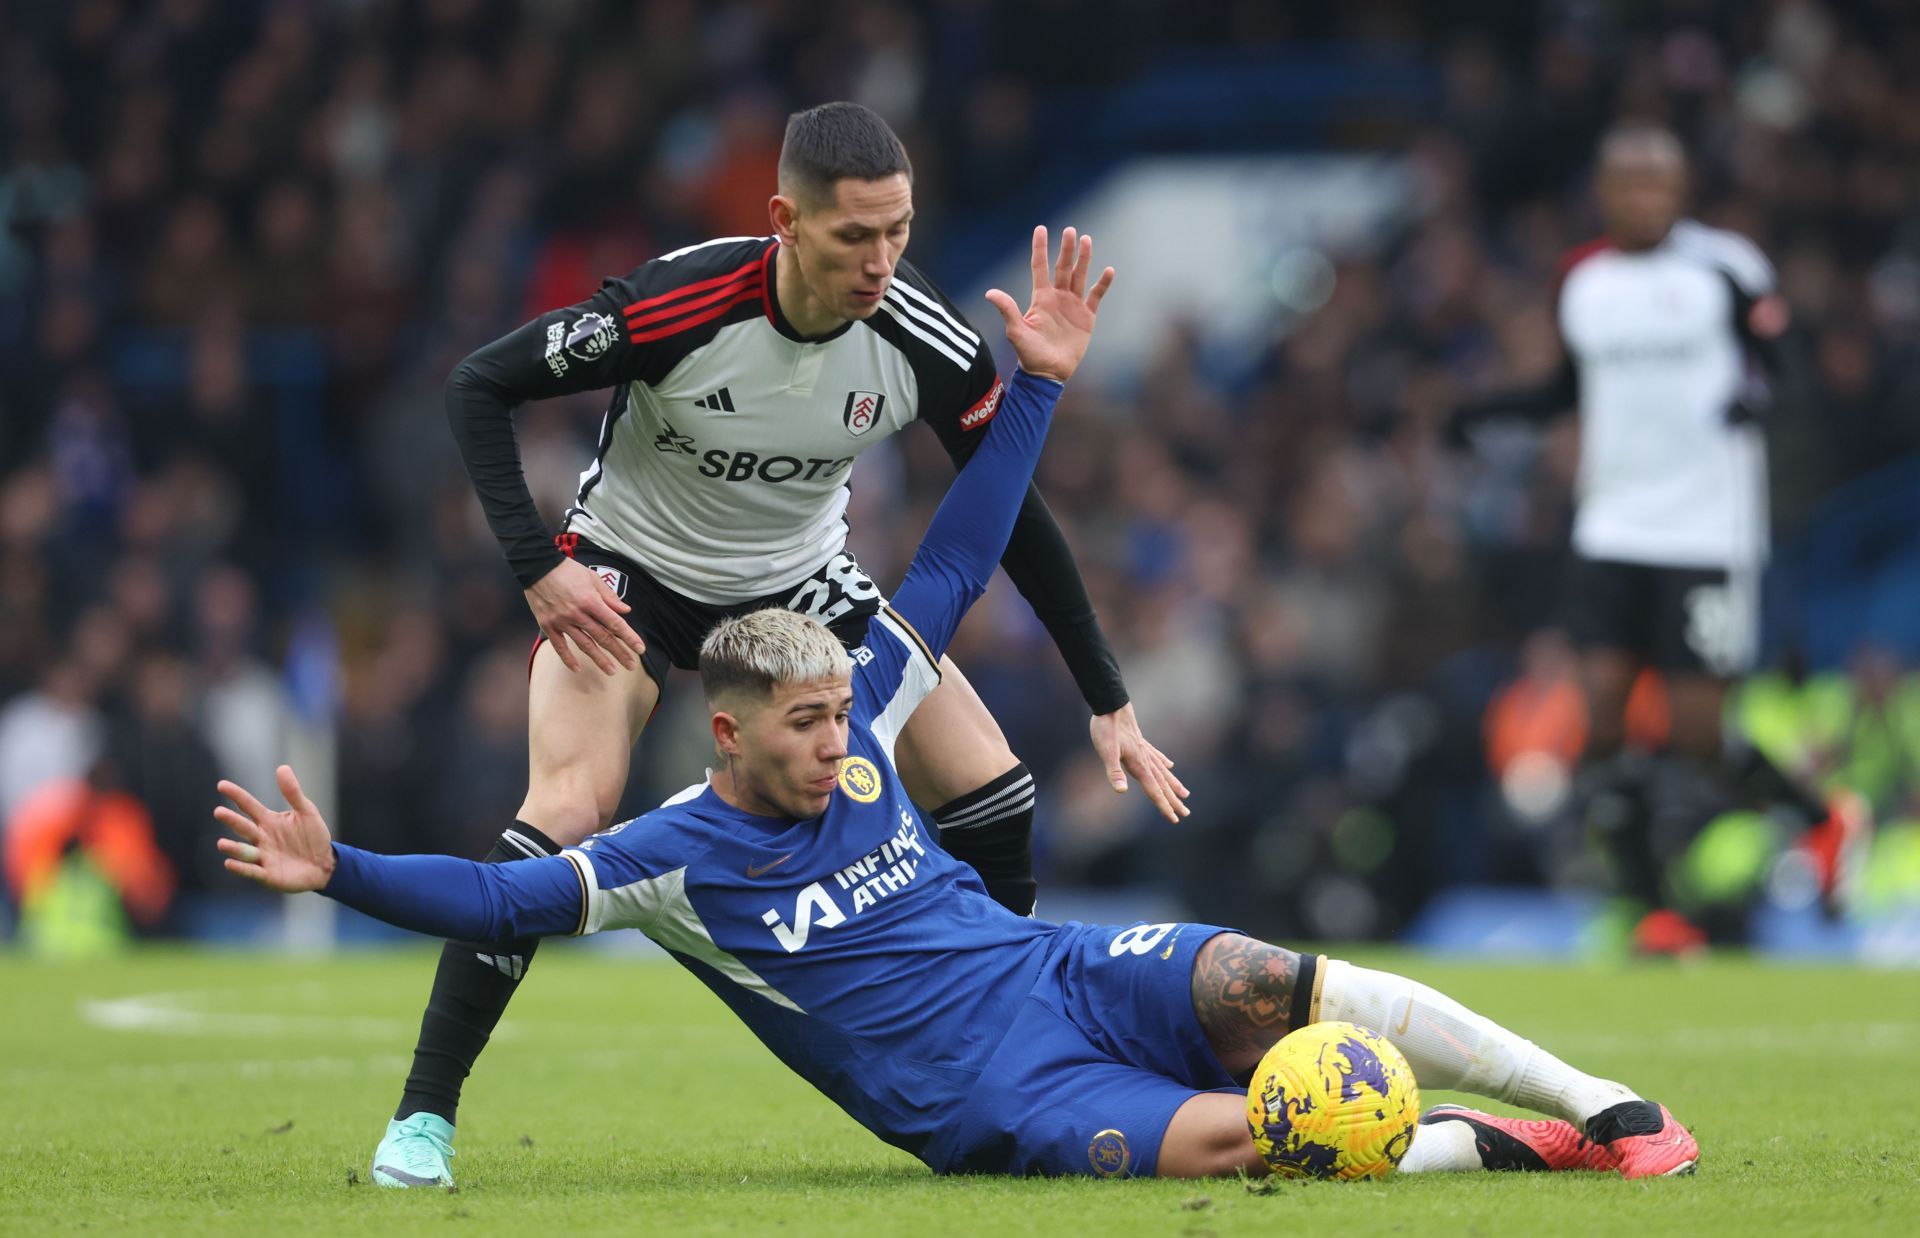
[[785, 215], [726, 733]]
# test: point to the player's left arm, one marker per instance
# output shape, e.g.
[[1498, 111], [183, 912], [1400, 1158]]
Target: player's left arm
[[442, 896], [1038, 559], [1040, 563], [1778, 368], [969, 531]]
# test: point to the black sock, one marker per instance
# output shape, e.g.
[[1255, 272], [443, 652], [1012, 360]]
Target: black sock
[[471, 990], [1612, 795], [1762, 784], [991, 828]]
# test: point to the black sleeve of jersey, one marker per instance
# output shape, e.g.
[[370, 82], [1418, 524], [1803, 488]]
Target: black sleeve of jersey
[[1038, 559], [1761, 324], [1780, 368], [482, 393], [1538, 402], [1040, 564], [635, 328]]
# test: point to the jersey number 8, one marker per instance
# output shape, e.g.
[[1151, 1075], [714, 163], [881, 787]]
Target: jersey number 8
[[836, 589]]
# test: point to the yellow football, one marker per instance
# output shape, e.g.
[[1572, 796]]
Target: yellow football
[[1333, 1100]]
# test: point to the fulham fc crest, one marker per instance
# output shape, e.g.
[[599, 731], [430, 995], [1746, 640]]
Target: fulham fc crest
[[615, 578], [862, 411]]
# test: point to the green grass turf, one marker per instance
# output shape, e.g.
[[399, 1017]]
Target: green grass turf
[[244, 1093]]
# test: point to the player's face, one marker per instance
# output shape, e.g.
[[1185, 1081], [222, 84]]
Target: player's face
[[791, 748], [1641, 197], [848, 247]]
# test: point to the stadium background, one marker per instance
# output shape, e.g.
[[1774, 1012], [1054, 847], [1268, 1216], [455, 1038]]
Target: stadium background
[[246, 243]]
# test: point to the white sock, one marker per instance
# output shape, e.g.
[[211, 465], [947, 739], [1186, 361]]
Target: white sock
[[1449, 1046], [1442, 1147]]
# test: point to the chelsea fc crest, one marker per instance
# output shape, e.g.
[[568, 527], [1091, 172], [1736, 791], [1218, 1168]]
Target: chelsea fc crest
[[1109, 1154], [862, 411], [860, 780]]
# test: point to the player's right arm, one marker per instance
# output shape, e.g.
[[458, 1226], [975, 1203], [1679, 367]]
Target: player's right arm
[[584, 347], [1536, 402], [438, 895]]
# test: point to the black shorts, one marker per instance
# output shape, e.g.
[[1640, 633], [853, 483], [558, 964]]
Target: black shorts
[[1692, 620], [839, 594]]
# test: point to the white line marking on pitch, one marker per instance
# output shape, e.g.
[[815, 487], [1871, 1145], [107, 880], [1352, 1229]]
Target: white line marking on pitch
[[228, 1068], [1768, 1038], [178, 1013], [174, 1013]]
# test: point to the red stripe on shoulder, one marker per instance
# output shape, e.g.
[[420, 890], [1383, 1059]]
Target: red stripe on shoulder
[[1577, 255], [690, 289], [678, 308], [766, 281], [752, 291]]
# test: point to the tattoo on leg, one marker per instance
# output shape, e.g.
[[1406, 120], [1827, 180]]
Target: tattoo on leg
[[1243, 995]]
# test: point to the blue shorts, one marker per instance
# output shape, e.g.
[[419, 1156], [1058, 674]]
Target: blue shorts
[[1104, 1050]]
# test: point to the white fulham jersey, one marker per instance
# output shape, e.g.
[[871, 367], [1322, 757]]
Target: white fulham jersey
[[1665, 478], [723, 461]]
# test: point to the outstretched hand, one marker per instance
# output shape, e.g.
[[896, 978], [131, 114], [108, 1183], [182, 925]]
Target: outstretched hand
[[1052, 335], [285, 851], [1124, 750]]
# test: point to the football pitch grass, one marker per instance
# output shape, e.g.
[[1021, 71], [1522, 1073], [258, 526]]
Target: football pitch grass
[[213, 1093]]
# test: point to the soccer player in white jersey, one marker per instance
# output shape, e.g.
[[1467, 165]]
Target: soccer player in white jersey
[[797, 883], [1671, 332], [747, 374]]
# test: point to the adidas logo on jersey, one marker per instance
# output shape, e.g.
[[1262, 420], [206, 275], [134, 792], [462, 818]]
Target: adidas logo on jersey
[[720, 401]]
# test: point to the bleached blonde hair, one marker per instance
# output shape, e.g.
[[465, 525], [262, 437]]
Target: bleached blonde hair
[[749, 654]]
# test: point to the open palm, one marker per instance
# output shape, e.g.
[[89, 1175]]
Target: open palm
[[286, 851], [1052, 335]]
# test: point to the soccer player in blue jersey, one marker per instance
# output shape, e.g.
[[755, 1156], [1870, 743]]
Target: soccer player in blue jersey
[[799, 883]]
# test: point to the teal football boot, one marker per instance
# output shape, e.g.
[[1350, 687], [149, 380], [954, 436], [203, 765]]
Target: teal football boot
[[415, 1152]]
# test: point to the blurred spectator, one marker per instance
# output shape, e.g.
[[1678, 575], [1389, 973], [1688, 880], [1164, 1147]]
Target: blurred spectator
[[244, 707], [50, 733], [64, 837], [165, 764]]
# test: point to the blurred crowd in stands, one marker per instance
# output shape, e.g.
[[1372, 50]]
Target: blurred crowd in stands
[[245, 243]]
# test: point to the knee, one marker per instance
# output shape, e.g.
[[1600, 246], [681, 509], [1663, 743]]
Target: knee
[[1247, 995], [1234, 1154], [1695, 730], [1216, 1144], [1606, 680], [568, 806]]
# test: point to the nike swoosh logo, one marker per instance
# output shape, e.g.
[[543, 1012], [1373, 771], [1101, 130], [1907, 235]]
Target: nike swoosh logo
[[755, 870], [1406, 1018]]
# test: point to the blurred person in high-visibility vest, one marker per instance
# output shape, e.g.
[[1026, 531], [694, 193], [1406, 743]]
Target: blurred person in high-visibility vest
[[81, 861]]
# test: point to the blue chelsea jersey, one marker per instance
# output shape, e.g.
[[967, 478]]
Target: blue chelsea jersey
[[866, 958]]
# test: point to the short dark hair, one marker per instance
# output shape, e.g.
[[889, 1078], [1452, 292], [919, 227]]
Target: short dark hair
[[1643, 138], [834, 141]]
